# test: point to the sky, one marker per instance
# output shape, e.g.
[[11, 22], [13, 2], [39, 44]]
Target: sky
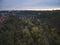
[[28, 4]]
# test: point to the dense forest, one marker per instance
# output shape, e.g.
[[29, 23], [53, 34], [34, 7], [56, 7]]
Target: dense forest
[[44, 29]]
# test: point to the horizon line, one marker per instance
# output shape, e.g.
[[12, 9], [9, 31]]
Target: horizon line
[[33, 9]]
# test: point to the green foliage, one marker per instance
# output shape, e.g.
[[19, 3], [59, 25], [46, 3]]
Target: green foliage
[[15, 31]]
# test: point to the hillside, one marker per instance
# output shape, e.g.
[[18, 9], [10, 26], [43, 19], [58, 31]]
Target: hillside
[[30, 27]]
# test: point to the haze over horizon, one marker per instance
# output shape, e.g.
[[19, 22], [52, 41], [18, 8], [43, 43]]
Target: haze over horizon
[[29, 4]]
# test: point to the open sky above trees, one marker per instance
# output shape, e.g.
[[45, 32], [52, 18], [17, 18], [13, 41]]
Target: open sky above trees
[[22, 4]]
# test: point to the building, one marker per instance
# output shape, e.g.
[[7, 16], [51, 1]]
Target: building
[[1, 18], [27, 16]]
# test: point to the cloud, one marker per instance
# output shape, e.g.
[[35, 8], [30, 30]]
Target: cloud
[[12, 4], [40, 2], [29, 2]]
